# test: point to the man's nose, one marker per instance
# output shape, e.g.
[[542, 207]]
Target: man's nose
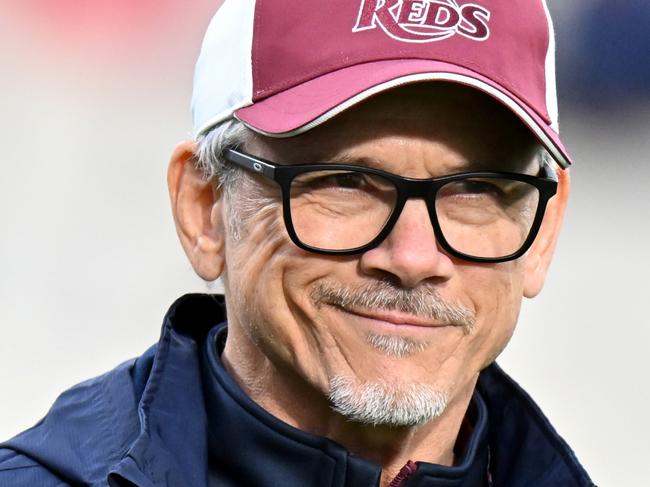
[[410, 253]]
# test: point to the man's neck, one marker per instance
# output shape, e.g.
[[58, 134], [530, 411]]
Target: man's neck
[[287, 396]]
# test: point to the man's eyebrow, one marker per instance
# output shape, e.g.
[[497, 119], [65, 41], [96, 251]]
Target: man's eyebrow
[[354, 160], [465, 166], [475, 165]]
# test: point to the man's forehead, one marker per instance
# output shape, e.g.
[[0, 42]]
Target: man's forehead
[[460, 116]]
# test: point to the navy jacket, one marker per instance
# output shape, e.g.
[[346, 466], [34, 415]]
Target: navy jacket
[[174, 417]]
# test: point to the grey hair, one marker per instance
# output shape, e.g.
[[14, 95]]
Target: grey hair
[[242, 196], [210, 151]]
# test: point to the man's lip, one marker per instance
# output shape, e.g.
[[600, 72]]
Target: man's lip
[[397, 318]]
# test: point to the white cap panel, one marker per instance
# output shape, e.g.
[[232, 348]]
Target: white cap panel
[[223, 78]]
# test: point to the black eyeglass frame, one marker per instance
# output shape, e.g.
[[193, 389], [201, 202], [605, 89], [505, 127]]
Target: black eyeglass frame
[[407, 188]]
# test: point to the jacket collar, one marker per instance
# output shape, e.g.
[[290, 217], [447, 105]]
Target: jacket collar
[[525, 448], [247, 445]]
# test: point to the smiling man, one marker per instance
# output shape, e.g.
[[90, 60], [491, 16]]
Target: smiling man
[[378, 184]]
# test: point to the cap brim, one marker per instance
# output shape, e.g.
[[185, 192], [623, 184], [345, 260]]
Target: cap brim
[[305, 106]]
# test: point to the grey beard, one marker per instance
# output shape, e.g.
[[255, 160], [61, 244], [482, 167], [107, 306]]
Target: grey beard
[[396, 346], [382, 403]]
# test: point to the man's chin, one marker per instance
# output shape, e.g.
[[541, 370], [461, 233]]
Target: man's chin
[[386, 403]]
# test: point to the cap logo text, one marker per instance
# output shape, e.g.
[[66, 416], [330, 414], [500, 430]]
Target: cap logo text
[[424, 20]]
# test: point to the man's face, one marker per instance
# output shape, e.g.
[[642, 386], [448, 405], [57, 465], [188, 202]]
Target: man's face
[[403, 322]]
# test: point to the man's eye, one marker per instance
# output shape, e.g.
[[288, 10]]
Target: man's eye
[[349, 180], [474, 187], [334, 180]]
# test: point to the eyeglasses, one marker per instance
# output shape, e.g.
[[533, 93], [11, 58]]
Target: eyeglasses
[[341, 209]]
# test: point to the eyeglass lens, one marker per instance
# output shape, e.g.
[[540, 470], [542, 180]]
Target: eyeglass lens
[[340, 210], [486, 217]]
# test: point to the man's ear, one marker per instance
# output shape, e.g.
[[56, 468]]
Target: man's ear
[[538, 258], [196, 205]]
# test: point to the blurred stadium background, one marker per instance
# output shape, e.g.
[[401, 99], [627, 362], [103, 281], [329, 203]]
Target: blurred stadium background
[[95, 94]]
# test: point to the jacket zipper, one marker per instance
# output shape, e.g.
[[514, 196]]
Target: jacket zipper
[[404, 474]]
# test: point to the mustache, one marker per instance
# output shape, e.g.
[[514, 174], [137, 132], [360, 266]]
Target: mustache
[[424, 301]]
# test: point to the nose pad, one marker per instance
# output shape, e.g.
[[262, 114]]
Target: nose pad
[[410, 252]]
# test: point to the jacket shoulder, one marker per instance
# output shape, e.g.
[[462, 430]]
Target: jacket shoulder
[[18, 470], [87, 428]]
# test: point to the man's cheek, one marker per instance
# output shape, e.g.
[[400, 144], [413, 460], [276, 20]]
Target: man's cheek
[[260, 238], [494, 330]]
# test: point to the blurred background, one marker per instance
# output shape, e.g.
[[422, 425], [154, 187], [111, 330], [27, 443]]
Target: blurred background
[[94, 96]]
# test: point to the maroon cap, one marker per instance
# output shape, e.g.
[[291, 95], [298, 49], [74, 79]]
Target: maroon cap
[[311, 60]]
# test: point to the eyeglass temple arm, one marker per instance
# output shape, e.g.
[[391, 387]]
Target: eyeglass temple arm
[[251, 163]]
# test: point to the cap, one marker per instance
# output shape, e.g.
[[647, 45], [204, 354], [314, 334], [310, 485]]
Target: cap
[[283, 67]]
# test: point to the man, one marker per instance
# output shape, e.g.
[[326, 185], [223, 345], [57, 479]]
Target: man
[[378, 183]]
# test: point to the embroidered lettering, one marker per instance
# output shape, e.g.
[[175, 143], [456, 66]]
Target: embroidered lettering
[[424, 20]]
